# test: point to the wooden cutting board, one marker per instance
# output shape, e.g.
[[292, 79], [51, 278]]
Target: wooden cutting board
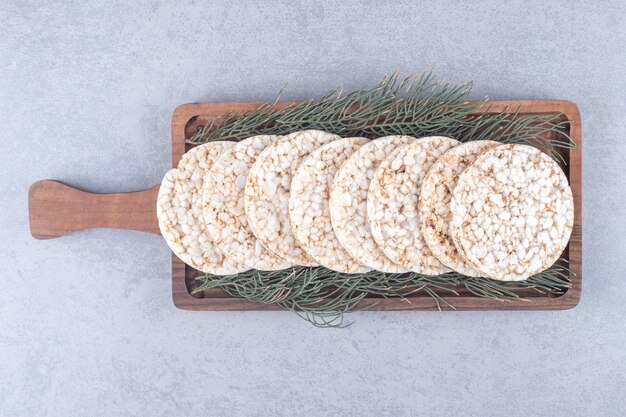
[[56, 209]]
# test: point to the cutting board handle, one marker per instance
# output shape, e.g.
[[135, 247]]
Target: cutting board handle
[[56, 209]]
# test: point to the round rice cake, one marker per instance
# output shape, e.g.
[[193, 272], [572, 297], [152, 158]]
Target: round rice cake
[[392, 204], [179, 211], [223, 206], [512, 212], [348, 203], [267, 192], [433, 207], [309, 211]]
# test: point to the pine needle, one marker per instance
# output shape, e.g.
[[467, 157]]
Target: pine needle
[[322, 296], [414, 106]]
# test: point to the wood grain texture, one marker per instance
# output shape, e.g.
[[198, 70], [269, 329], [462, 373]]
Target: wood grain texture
[[56, 209], [188, 117]]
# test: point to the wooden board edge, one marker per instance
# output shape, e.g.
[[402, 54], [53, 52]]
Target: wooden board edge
[[572, 297]]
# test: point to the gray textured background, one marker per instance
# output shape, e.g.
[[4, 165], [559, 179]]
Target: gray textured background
[[87, 325]]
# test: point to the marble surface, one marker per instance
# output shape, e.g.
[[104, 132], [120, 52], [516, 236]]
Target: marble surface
[[87, 324]]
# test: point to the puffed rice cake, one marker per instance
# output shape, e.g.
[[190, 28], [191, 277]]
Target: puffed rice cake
[[348, 203], [309, 211], [434, 203], [392, 204], [267, 192], [223, 206], [512, 212], [179, 211]]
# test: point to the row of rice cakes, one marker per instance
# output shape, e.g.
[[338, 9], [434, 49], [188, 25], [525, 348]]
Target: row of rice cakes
[[393, 204]]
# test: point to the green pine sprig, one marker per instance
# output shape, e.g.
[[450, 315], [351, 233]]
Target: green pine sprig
[[415, 106], [323, 296]]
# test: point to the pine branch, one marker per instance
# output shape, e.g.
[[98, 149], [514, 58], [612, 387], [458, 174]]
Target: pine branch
[[322, 296], [415, 106]]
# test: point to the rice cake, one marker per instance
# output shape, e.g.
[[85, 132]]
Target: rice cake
[[179, 211], [223, 206], [512, 212], [267, 192], [348, 203], [392, 204], [434, 203], [309, 211]]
